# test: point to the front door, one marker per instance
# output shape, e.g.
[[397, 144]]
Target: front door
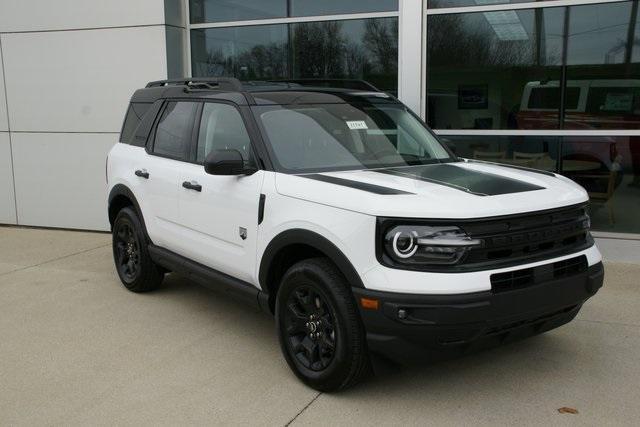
[[220, 213]]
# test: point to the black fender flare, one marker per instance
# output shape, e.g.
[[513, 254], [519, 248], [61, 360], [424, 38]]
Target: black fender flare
[[123, 190], [314, 240]]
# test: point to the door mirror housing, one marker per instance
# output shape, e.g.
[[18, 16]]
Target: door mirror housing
[[226, 162]]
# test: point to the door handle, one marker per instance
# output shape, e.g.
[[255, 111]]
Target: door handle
[[142, 173], [192, 185]]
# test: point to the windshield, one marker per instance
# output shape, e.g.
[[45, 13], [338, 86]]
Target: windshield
[[326, 137]]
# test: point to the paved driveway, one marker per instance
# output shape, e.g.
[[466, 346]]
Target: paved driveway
[[77, 348]]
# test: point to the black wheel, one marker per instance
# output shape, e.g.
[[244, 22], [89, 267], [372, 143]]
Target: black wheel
[[135, 268], [320, 331]]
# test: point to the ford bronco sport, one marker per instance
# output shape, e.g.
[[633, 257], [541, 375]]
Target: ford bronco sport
[[340, 212]]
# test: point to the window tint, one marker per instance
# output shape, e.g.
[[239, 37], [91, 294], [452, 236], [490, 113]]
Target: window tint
[[222, 128], [140, 136], [174, 130], [134, 116]]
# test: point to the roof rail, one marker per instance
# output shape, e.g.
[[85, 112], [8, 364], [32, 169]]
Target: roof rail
[[336, 83], [225, 83]]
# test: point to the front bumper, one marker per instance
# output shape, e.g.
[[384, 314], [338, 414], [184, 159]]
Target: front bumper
[[405, 326]]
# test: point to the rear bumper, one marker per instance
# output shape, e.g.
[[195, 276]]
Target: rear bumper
[[406, 326]]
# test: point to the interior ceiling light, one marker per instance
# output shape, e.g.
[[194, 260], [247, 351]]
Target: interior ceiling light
[[506, 24]]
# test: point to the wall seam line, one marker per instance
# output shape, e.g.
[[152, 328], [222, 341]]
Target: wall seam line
[[68, 131], [6, 103], [114, 27]]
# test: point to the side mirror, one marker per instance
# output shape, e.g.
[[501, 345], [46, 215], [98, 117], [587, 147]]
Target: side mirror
[[226, 162]]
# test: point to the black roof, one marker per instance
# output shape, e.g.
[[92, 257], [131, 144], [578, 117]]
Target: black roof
[[275, 92]]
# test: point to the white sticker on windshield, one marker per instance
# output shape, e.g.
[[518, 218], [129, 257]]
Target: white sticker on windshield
[[357, 124]]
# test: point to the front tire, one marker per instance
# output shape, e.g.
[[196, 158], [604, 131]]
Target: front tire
[[319, 327], [137, 272]]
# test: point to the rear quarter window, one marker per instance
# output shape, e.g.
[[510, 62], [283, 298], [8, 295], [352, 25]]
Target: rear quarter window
[[132, 119]]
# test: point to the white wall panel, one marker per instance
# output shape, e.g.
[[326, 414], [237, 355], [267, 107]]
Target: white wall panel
[[38, 15], [3, 102], [7, 200], [60, 179], [79, 81]]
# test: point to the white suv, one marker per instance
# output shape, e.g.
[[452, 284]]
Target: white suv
[[337, 210]]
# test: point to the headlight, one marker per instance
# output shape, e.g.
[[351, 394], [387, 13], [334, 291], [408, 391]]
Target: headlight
[[423, 245]]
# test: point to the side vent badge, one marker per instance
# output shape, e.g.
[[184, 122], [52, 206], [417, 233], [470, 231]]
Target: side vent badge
[[243, 233]]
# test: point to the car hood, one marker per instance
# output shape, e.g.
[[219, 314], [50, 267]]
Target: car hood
[[465, 189]]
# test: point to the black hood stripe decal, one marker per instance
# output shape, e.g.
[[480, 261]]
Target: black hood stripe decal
[[423, 178], [463, 179], [504, 165], [358, 185]]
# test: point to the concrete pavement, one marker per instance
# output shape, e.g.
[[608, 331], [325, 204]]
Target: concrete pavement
[[76, 348]]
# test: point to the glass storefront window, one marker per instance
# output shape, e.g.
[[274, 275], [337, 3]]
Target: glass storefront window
[[201, 11], [601, 65], [351, 49], [540, 152], [495, 70], [364, 49], [436, 4], [608, 167], [334, 7], [257, 52]]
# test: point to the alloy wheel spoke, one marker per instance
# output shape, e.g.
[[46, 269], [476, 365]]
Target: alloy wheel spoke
[[131, 267], [121, 257], [310, 328], [304, 299]]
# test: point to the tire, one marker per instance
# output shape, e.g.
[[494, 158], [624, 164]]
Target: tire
[[137, 272], [327, 351]]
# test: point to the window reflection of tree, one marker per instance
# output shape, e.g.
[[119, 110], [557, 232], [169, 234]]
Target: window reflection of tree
[[364, 50]]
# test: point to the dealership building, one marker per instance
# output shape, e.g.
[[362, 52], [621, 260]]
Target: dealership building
[[549, 84]]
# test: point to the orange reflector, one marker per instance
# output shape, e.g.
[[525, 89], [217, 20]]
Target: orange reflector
[[371, 304]]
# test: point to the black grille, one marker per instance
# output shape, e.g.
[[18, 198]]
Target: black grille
[[569, 267], [511, 280], [528, 237], [518, 279]]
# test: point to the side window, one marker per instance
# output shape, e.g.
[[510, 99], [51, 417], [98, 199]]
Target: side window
[[222, 128], [140, 136], [173, 132], [134, 116]]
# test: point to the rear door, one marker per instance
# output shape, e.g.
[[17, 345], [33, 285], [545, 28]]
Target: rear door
[[167, 153], [221, 219]]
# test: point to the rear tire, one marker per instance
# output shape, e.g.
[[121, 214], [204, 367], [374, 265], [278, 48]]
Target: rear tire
[[319, 327], [137, 272]]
